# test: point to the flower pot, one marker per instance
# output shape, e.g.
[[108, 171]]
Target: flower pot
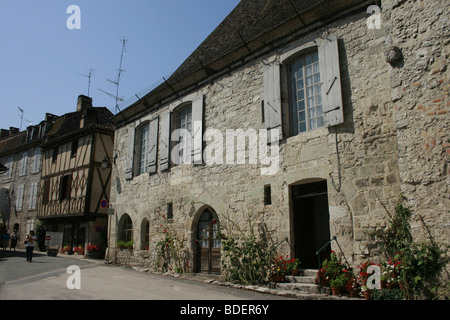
[[276, 278], [367, 295], [92, 255], [295, 272], [354, 293], [335, 291]]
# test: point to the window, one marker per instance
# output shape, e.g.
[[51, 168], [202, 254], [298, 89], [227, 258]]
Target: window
[[23, 164], [302, 89], [143, 148], [33, 196], [19, 197], [306, 95], [55, 154], [66, 187], [46, 192], [74, 148], [183, 121], [170, 210], [126, 230], [9, 164], [267, 195], [37, 159]]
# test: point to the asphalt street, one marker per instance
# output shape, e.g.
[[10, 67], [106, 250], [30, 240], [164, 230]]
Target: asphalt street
[[52, 278]]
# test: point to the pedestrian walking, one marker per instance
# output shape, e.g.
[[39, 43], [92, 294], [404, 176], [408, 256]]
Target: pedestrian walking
[[29, 243], [14, 239], [5, 239]]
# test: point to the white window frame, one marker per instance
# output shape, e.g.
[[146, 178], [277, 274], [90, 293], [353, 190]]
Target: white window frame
[[23, 164], [33, 195], [19, 197], [306, 112]]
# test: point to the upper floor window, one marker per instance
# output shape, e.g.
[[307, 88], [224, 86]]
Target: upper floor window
[[306, 96], [143, 148], [182, 121], [302, 89], [23, 164]]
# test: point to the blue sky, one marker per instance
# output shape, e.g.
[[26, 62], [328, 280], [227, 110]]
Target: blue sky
[[42, 61]]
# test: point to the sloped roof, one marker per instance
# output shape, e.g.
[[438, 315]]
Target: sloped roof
[[13, 142], [253, 25]]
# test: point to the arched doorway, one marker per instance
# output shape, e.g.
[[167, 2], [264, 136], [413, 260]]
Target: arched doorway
[[310, 222], [208, 244]]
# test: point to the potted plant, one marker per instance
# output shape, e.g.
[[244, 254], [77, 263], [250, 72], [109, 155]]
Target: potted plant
[[352, 286], [330, 269], [79, 250], [338, 283], [278, 270], [92, 251], [293, 266]]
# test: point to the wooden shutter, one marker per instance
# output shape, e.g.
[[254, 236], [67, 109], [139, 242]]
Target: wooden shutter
[[197, 129], [272, 100], [153, 145], [333, 111], [164, 141], [130, 154]]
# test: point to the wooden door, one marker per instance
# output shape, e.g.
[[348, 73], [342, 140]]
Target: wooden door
[[208, 252]]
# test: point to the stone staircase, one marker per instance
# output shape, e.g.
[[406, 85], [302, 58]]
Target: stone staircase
[[304, 284]]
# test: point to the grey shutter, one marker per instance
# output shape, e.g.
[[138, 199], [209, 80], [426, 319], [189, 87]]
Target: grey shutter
[[153, 145], [272, 100], [333, 111], [130, 154], [197, 129], [164, 141]]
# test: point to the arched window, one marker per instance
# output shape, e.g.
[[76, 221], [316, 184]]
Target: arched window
[[126, 229]]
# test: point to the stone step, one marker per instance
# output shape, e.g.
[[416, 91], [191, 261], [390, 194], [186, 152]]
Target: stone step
[[300, 279], [302, 287]]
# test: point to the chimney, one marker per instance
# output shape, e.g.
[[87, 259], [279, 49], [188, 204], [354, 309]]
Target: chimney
[[84, 102]]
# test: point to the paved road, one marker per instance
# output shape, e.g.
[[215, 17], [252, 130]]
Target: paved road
[[46, 279]]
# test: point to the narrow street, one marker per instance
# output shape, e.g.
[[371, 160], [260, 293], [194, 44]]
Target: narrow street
[[46, 278]]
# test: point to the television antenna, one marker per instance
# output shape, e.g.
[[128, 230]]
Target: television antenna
[[117, 81], [88, 76], [21, 117]]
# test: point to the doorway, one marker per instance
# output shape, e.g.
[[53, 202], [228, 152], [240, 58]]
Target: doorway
[[310, 223], [208, 246]]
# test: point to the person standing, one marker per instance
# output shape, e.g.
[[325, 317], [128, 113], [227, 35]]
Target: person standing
[[30, 243], [5, 239], [14, 239]]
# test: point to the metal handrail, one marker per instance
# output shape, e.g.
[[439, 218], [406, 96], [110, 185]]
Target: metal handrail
[[323, 247]]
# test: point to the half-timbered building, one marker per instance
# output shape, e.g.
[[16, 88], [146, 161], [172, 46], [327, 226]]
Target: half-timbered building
[[76, 175]]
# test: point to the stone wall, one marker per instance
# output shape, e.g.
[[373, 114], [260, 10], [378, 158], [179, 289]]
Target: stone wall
[[367, 161], [420, 86], [26, 217]]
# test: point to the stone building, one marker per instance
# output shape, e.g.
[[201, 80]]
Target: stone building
[[76, 173], [306, 119], [21, 153]]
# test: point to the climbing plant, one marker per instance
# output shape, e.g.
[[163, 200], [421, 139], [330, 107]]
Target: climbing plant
[[423, 261]]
